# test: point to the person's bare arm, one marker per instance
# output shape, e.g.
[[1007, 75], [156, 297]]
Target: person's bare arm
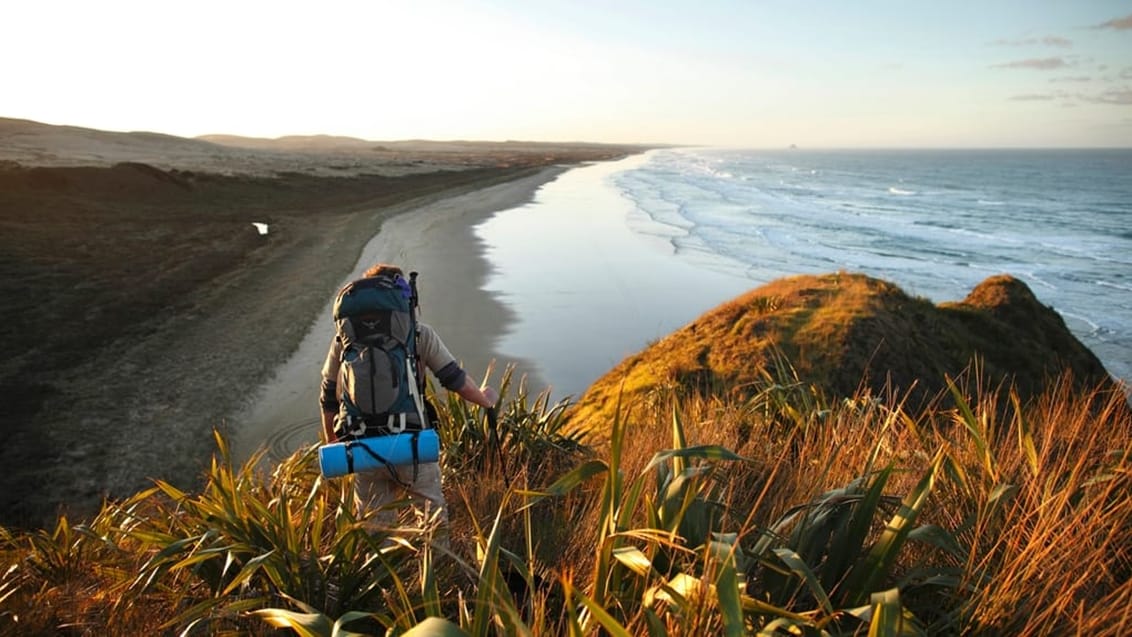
[[470, 392], [328, 427]]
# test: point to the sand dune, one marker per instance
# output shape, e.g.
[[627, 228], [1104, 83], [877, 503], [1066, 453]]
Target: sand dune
[[34, 144]]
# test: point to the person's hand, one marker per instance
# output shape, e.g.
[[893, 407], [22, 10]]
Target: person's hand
[[491, 396]]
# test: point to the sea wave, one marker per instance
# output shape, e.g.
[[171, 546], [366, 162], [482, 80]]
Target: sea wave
[[1117, 286], [1036, 216]]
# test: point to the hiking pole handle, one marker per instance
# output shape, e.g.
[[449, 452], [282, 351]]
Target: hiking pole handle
[[492, 425], [493, 430]]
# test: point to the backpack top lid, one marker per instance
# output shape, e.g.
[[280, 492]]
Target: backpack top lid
[[380, 293]]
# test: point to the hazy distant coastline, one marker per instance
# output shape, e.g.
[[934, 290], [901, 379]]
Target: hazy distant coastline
[[31, 143]]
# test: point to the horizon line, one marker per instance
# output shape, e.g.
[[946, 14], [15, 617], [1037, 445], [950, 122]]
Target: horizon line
[[653, 145]]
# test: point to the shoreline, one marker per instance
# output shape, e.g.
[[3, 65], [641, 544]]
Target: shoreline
[[435, 238], [179, 331], [617, 290]]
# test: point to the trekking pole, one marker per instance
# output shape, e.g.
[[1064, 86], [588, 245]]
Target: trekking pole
[[414, 299], [414, 304], [493, 430]]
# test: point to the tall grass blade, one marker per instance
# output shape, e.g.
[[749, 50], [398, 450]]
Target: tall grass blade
[[568, 482], [493, 599], [939, 537], [606, 576], [730, 599], [971, 423], [628, 504], [340, 631], [705, 452], [246, 573], [888, 617], [435, 627], [803, 572], [654, 624], [305, 624], [849, 539], [1025, 435], [678, 440], [430, 593], [602, 616], [634, 559], [211, 606], [882, 556]]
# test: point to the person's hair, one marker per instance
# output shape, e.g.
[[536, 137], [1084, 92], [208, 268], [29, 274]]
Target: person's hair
[[382, 268]]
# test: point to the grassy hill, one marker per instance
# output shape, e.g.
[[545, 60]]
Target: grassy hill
[[845, 334], [760, 506]]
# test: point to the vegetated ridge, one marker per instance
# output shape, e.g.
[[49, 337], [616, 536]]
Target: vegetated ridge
[[845, 332]]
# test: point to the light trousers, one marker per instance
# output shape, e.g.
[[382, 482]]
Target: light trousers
[[375, 489]]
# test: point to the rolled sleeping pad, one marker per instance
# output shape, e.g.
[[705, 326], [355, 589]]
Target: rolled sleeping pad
[[366, 454]]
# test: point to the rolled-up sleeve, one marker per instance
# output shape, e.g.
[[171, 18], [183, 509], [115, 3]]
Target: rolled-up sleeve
[[437, 358]]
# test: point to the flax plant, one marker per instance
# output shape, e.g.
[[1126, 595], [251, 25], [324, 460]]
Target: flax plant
[[680, 573], [46, 571], [797, 516], [529, 431], [248, 539]]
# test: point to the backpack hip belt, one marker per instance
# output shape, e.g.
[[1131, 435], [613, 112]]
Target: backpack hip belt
[[381, 425]]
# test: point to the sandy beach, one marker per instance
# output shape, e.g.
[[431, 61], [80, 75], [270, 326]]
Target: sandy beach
[[140, 308], [436, 240]]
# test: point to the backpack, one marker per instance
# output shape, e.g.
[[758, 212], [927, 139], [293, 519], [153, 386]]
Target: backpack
[[379, 387]]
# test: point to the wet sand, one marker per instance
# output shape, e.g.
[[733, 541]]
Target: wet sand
[[436, 240]]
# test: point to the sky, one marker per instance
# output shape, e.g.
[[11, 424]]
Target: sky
[[753, 73]]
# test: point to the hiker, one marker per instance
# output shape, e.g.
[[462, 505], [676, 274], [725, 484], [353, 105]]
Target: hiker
[[342, 419]]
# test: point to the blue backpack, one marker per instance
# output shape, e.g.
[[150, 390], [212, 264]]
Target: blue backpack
[[379, 384]]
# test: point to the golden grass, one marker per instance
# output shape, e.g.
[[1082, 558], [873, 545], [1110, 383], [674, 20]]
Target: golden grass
[[1031, 508], [1043, 512]]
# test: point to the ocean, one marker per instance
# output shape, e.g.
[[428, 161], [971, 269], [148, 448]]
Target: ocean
[[612, 256]]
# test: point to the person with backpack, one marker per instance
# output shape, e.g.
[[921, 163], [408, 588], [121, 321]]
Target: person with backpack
[[373, 385]]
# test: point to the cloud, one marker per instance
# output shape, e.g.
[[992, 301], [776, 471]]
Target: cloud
[[1040, 64], [1122, 97], [1118, 24], [1121, 76], [1075, 78], [1049, 40], [1053, 40]]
